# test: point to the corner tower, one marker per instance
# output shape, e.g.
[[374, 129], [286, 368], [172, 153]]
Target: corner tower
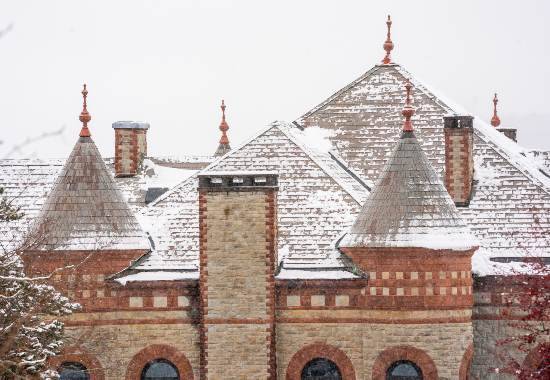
[[85, 229], [410, 239]]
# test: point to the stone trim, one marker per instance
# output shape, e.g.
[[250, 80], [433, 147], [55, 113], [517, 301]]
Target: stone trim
[[319, 350], [159, 351], [80, 355], [122, 321], [203, 286], [390, 355], [271, 249], [466, 363]]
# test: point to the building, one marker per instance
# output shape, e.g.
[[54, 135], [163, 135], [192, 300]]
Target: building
[[364, 240]]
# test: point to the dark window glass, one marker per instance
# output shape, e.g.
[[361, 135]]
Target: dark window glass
[[404, 370], [321, 369], [73, 371], [160, 369]]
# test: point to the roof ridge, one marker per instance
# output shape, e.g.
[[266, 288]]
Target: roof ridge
[[212, 164], [322, 166], [481, 128]]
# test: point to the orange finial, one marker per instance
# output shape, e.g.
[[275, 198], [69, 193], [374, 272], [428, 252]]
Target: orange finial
[[224, 127], [495, 120], [85, 116], [408, 111], [388, 44]]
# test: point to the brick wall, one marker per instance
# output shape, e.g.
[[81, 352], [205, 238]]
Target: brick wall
[[115, 346], [130, 149], [237, 244], [445, 344]]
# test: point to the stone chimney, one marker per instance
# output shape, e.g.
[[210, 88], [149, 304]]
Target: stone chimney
[[459, 158], [238, 237], [130, 146]]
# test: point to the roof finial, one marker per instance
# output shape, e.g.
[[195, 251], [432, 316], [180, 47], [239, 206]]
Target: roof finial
[[388, 44], [408, 111], [495, 120], [224, 147], [85, 116]]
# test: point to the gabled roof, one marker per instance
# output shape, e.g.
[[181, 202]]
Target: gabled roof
[[409, 206], [27, 182], [317, 200], [85, 210], [509, 212]]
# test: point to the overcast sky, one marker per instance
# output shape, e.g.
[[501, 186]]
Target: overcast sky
[[171, 62]]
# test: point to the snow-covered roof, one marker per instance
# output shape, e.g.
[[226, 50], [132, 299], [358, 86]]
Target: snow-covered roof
[[409, 207], [317, 199], [27, 182], [85, 209], [509, 212]]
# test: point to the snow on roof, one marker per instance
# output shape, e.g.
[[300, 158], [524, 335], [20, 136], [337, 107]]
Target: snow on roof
[[27, 182], [317, 198], [409, 207], [509, 212], [85, 210]]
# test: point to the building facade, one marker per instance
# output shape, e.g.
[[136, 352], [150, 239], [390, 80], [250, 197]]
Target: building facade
[[362, 241]]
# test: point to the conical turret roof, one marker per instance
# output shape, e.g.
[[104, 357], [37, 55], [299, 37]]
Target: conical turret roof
[[86, 210], [409, 205]]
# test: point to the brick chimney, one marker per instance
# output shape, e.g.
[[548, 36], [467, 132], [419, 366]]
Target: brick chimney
[[459, 158], [130, 146], [237, 219]]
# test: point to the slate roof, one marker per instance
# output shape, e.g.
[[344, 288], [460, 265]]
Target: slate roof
[[409, 206], [85, 210], [317, 199], [27, 182], [509, 213]]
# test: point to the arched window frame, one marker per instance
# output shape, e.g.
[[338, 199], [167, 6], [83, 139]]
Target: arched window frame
[[399, 362], [66, 364], [396, 353], [316, 360], [159, 351], [319, 350], [159, 360]]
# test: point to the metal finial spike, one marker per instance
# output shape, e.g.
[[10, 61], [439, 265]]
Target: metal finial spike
[[388, 44], [408, 111], [85, 116], [495, 120]]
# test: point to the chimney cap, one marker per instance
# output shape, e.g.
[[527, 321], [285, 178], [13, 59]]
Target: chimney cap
[[125, 124]]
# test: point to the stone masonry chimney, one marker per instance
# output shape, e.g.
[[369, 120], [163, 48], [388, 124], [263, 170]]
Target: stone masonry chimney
[[459, 158], [238, 235], [130, 146]]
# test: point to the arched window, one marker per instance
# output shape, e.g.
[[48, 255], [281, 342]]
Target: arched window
[[321, 369], [404, 370], [73, 371], [160, 369]]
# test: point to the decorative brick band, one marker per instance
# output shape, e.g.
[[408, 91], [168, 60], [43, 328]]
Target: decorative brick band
[[80, 355], [391, 355], [159, 351], [466, 363], [319, 350]]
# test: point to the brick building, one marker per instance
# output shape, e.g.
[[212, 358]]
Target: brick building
[[364, 240]]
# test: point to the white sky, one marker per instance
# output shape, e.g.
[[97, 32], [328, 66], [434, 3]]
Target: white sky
[[171, 62]]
